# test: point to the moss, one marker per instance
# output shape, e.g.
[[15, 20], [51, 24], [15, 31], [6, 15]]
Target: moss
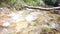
[[46, 29]]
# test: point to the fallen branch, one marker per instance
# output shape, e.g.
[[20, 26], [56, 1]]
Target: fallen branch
[[42, 8]]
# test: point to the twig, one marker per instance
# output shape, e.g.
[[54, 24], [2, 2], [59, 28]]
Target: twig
[[42, 8]]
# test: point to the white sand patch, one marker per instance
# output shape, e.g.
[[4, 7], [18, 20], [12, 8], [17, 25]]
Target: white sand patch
[[32, 16], [6, 24]]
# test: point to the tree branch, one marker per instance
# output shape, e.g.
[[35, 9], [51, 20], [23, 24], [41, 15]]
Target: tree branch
[[42, 8]]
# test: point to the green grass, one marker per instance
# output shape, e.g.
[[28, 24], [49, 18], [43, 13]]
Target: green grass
[[21, 3]]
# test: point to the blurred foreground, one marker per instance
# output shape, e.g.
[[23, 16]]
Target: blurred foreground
[[29, 21]]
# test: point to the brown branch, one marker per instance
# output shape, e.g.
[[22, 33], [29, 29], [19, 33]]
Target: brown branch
[[42, 8]]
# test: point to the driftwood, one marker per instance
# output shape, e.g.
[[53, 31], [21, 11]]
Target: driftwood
[[42, 8]]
